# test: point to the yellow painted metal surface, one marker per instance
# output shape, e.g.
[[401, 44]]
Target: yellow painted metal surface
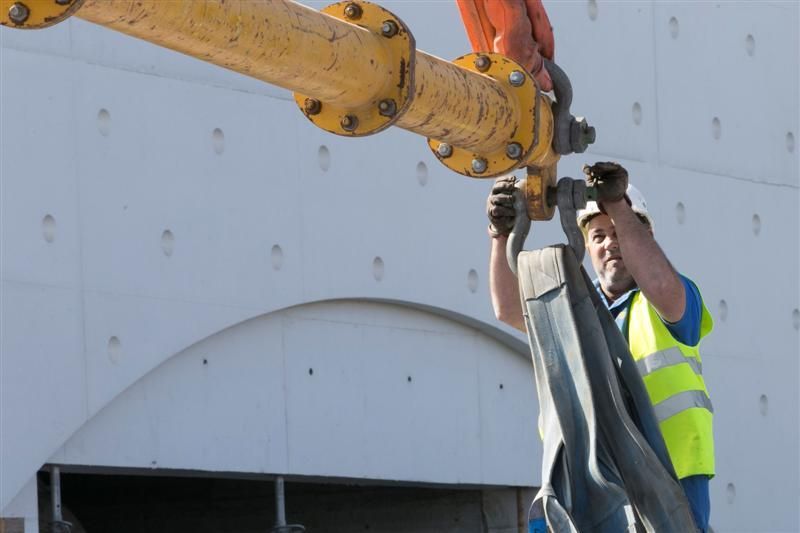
[[33, 14], [539, 180], [353, 69], [376, 112], [515, 125], [463, 108], [316, 55], [277, 41]]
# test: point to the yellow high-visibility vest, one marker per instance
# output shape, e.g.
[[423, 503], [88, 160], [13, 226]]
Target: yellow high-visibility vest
[[672, 375]]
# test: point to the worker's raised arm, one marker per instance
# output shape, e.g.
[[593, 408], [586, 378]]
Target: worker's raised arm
[[643, 257], [647, 263], [503, 284]]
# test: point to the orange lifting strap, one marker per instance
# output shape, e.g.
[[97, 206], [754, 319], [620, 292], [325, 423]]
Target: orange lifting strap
[[518, 29]]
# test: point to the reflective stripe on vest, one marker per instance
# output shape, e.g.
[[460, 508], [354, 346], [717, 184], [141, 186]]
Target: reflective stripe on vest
[[681, 402], [678, 392], [664, 358]]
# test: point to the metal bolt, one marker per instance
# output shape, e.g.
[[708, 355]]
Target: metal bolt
[[353, 11], [514, 150], [312, 106], [482, 63], [349, 122], [19, 13], [516, 78], [389, 28], [479, 165], [444, 150], [589, 134], [387, 108], [581, 135]]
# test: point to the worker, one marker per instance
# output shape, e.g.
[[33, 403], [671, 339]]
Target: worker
[[659, 311]]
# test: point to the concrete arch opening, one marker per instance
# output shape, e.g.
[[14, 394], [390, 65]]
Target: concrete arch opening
[[336, 396]]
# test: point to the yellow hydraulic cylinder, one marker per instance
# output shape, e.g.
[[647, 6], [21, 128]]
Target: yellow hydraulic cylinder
[[354, 69]]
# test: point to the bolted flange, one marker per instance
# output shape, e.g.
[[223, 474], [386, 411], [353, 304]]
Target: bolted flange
[[380, 111], [530, 141], [34, 14]]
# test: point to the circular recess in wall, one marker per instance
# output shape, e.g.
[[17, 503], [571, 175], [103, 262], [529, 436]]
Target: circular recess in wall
[[324, 157], [408, 379], [763, 404], [680, 213], [731, 492], [49, 228], [114, 349], [104, 121], [723, 310], [716, 128], [218, 140], [756, 224], [637, 113], [790, 142], [674, 27], [377, 268], [310, 371], [472, 280], [422, 173], [167, 242], [796, 319], [276, 256], [592, 9], [750, 45]]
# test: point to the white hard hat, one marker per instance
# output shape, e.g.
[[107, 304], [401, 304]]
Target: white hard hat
[[638, 204]]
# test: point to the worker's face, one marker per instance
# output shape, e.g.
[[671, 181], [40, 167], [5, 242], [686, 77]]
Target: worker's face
[[604, 251]]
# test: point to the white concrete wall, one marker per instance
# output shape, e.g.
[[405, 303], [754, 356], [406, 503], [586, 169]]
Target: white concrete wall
[[153, 205], [348, 389]]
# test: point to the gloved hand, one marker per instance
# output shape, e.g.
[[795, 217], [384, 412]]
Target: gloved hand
[[610, 179], [500, 206]]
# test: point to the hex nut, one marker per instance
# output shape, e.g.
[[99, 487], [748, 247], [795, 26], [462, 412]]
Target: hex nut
[[387, 107], [479, 165], [514, 150], [349, 123], [18, 13], [353, 11], [444, 150], [389, 28], [516, 78], [312, 106], [482, 63]]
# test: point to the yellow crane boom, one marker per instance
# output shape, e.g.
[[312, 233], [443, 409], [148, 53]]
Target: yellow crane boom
[[354, 69]]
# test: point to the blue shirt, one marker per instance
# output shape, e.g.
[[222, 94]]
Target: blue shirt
[[686, 330]]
